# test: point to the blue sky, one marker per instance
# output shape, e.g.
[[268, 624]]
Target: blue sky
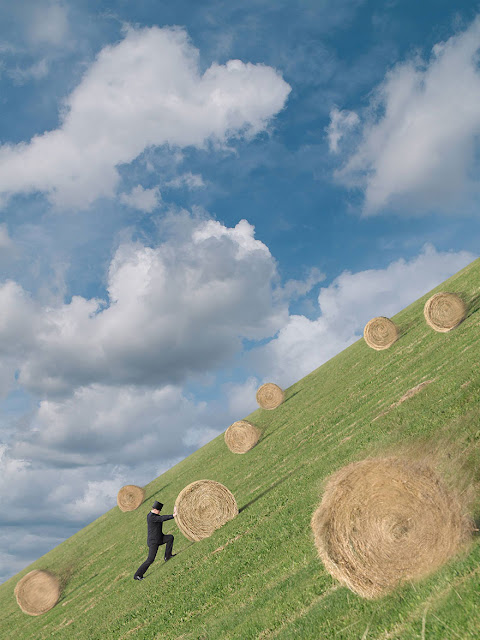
[[196, 198]]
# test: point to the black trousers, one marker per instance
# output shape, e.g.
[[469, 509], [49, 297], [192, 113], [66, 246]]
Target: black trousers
[[152, 553]]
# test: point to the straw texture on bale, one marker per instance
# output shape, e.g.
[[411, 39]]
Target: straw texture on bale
[[241, 436], [130, 497], [37, 592], [380, 333], [383, 521], [202, 507], [444, 311], [270, 396]]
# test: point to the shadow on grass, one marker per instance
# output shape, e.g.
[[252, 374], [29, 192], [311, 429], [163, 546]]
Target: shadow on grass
[[275, 484], [152, 495], [64, 579], [293, 394]]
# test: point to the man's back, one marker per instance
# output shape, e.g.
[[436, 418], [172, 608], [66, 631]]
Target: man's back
[[155, 533]]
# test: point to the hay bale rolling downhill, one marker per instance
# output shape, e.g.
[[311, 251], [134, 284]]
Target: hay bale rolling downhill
[[130, 497], [37, 592], [383, 521], [241, 436], [202, 507], [444, 311], [380, 333], [270, 396]]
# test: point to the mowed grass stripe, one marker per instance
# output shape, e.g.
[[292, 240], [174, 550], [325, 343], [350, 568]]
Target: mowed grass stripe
[[268, 578]]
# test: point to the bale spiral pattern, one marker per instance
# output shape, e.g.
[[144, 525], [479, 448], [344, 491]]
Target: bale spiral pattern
[[241, 436], [37, 592], [444, 311], [270, 396], [130, 497], [386, 520], [380, 333], [202, 507]]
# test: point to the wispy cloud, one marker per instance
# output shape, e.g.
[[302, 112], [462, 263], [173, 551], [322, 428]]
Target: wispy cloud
[[143, 199]]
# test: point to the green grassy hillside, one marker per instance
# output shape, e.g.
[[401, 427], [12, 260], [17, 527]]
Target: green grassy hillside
[[259, 576]]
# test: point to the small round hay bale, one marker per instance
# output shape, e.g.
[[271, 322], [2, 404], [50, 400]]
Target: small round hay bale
[[383, 521], [202, 507], [37, 592], [380, 333], [241, 436], [270, 396], [130, 497], [444, 311]]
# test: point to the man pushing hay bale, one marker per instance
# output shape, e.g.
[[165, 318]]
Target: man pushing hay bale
[[444, 311], [202, 507], [37, 592], [241, 436], [270, 396], [383, 521], [130, 497], [380, 333]]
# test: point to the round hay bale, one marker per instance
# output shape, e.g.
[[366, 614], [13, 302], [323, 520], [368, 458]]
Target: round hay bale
[[383, 521], [241, 436], [380, 333], [37, 592], [444, 311], [270, 396], [130, 497], [202, 507]]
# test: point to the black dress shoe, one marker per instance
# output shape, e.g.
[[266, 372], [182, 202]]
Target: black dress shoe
[[173, 554]]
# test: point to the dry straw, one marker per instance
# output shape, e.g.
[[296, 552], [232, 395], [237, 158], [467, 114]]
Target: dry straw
[[37, 592], [380, 333], [130, 497], [444, 311], [383, 521], [270, 396], [202, 507], [241, 436]]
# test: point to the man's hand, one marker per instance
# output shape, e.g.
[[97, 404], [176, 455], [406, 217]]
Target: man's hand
[[175, 510]]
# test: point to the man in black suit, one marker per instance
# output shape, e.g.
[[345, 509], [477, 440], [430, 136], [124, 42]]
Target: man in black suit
[[156, 538]]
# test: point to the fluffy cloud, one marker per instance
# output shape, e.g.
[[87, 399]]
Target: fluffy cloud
[[346, 305], [143, 199], [419, 150], [175, 310], [145, 91]]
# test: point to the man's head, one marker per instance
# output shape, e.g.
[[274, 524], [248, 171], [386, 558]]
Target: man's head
[[157, 506]]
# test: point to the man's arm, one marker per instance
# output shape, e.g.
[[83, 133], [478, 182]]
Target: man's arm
[[159, 518]]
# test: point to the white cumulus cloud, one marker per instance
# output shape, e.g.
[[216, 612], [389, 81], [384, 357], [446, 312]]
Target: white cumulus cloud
[[175, 310], [144, 91], [419, 150]]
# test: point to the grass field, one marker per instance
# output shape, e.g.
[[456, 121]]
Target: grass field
[[259, 576]]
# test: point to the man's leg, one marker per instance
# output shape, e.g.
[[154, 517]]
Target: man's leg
[[152, 552], [168, 540]]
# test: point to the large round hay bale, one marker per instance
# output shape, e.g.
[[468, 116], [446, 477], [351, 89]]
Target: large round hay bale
[[130, 497], [241, 436], [444, 311], [383, 521], [380, 333], [202, 507], [270, 396], [37, 592]]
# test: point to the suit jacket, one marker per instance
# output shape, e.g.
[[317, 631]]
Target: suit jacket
[[155, 533]]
